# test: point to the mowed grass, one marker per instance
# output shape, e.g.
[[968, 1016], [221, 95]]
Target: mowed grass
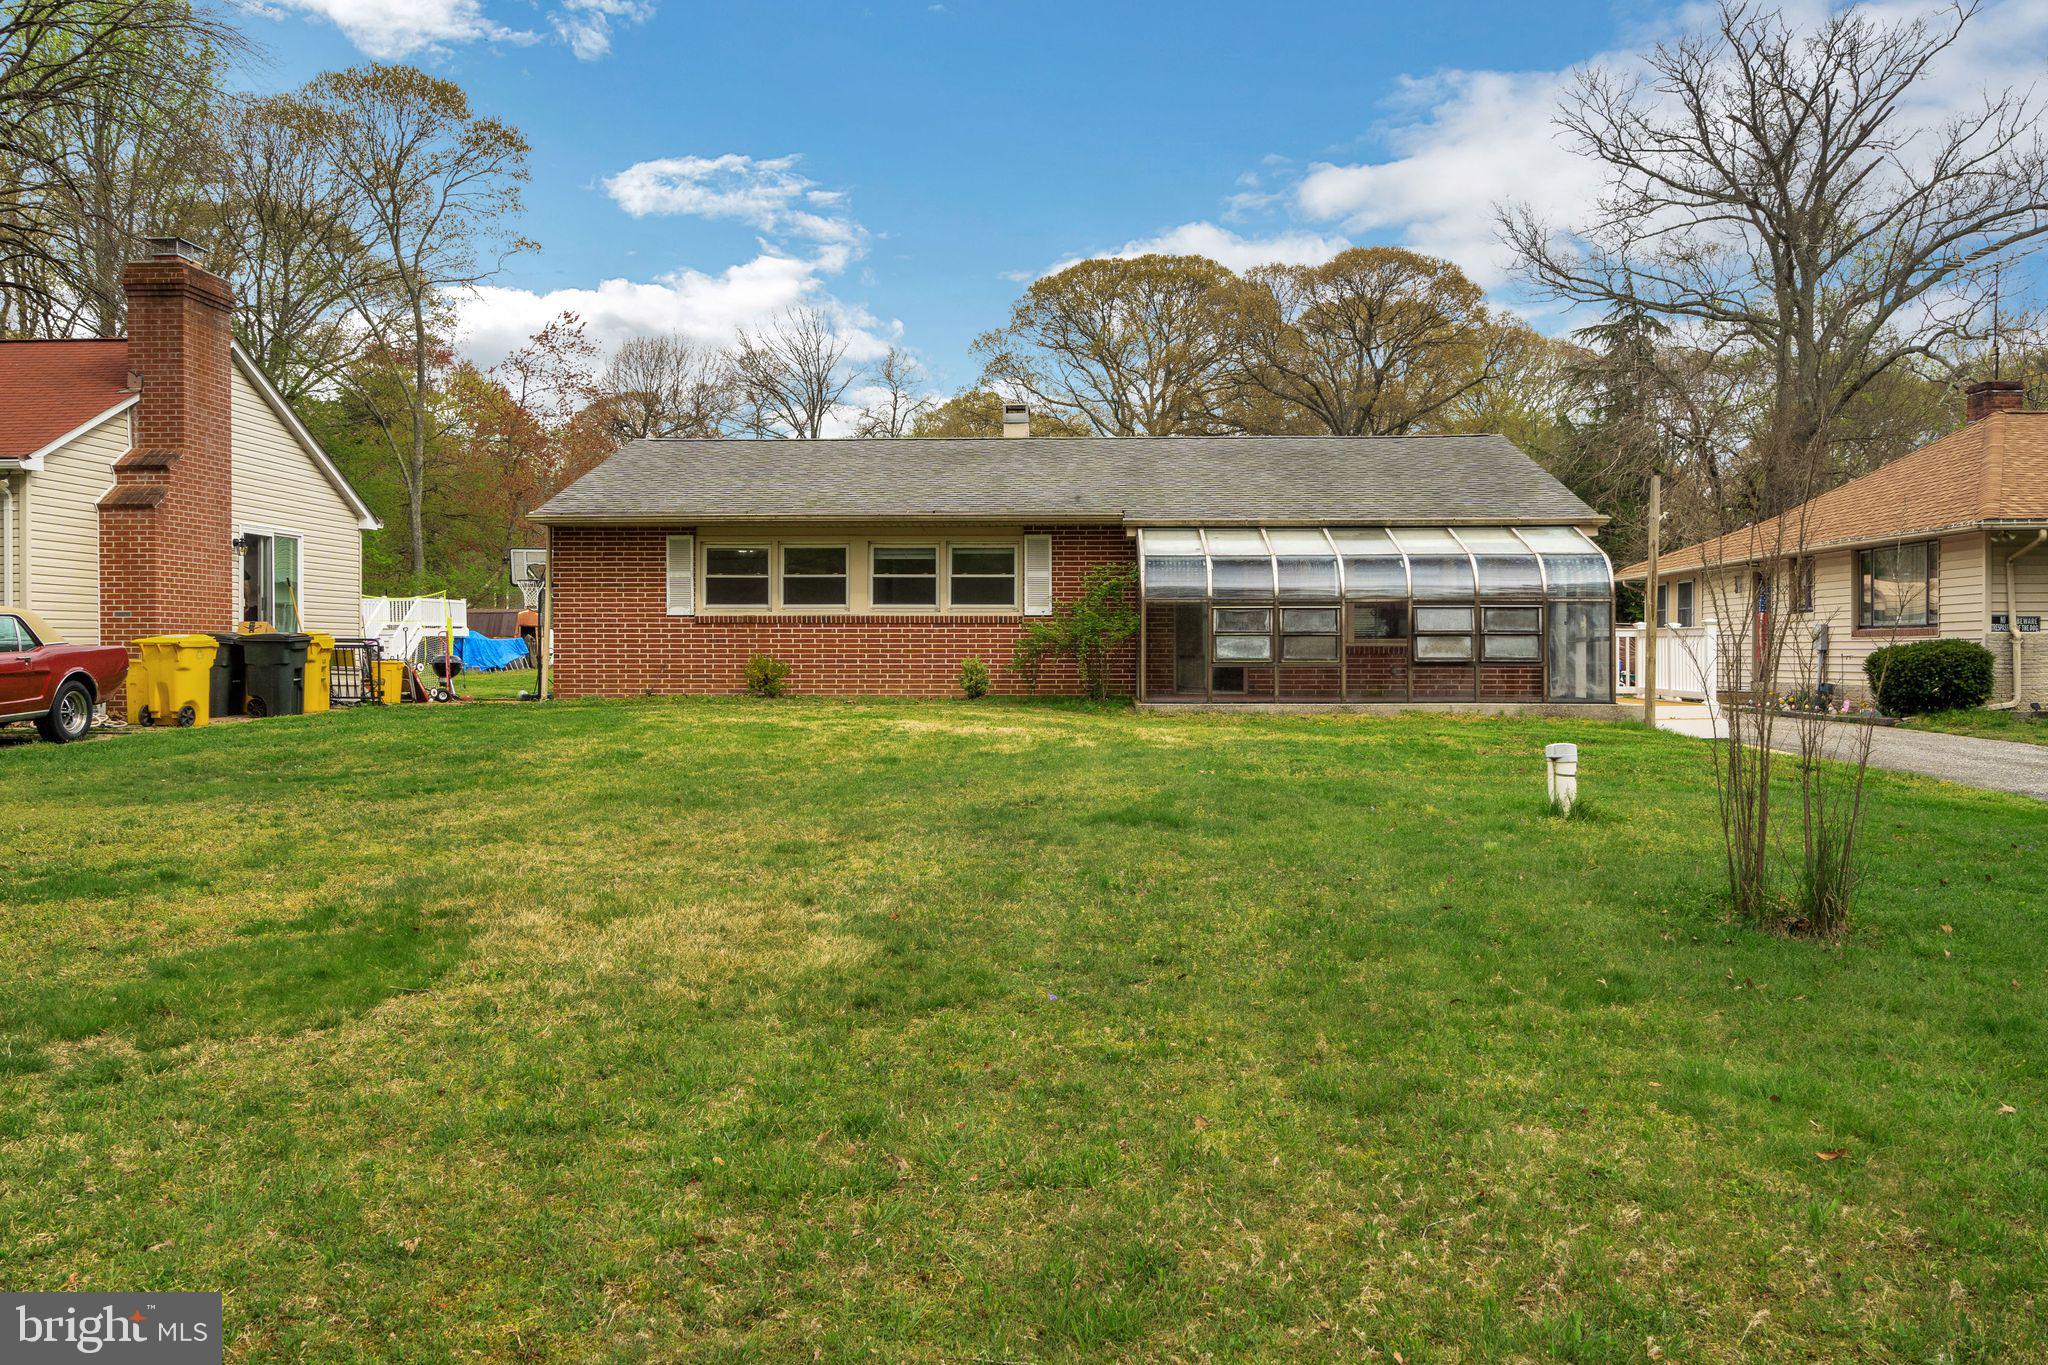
[[2020, 726], [632, 1031]]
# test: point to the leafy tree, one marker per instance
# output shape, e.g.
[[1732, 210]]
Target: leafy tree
[[979, 412], [1376, 341], [434, 187], [1121, 347]]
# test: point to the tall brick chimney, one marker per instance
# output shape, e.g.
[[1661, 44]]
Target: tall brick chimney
[[1993, 395], [166, 528]]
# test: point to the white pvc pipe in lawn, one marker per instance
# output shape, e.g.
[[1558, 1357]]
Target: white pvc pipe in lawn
[[1562, 763]]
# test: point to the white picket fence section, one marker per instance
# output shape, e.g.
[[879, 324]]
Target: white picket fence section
[[1688, 662], [414, 628]]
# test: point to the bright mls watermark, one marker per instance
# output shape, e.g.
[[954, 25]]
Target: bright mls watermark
[[163, 1329]]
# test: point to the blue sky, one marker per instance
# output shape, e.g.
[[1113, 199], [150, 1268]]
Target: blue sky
[[908, 164]]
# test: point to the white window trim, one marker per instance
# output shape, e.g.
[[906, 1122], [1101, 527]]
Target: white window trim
[[703, 576], [778, 574], [1016, 602], [938, 602]]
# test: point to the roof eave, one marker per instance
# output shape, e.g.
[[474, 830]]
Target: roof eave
[[1640, 571]]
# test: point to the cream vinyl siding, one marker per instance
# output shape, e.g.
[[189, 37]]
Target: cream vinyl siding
[[278, 489], [859, 540], [1961, 604], [61, 511]]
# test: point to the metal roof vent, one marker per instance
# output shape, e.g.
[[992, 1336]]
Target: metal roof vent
[[1016, 419], [178, 248]]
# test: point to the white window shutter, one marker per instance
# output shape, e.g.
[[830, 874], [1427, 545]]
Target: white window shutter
[[1038, 575], [682, 575]]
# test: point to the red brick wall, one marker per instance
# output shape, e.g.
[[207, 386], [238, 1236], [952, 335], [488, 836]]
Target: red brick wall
[[1159, 647], [1378, 672], [1443, 682], [1511, 682], [615, 638], [166, 558]]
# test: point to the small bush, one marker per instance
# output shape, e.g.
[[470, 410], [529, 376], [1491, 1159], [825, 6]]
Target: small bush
[[766, 676], [1929, 675], [974, 679], [1084, 630]]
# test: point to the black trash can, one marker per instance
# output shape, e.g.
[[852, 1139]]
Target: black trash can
[[274, 672], [228, 682]]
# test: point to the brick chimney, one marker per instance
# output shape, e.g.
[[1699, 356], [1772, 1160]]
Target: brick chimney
[[1993, 395], [166, 529]]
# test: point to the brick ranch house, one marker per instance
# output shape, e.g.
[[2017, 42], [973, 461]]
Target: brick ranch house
[[1302, 569], [158, 483], [1950, 541]]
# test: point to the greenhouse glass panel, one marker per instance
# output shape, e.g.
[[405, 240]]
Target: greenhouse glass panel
[[1243, 620], [1309, 620], [1514, 648], [1441, 577], [1454, 619], [1428, 541], [1581, 652], [1509, 576], [1514, 620], [1244, 648], [1490, 540], [1173, 576], [1301, 576], [1308, 648], [1578, 576], [1374, 576], [1444, 648], [1555, 540], [1241, 577]]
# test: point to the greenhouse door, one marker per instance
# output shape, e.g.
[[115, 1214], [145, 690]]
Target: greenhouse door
[[1190, 652]]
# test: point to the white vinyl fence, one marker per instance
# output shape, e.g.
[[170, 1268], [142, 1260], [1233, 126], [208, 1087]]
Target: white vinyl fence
[[1688, 662]]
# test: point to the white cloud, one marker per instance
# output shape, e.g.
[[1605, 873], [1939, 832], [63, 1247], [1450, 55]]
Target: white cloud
[[765, 193], [705, 307], [1225, 247], [391, 29], [586, 25], [1462, 142]]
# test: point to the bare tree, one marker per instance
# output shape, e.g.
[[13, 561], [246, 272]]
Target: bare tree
[[1374, 342], [666, 386], [1766, 186], [1124, 347], [289, 238], [1767, 182], [102, 112], [904, 399], [435, 187], [790, 375]]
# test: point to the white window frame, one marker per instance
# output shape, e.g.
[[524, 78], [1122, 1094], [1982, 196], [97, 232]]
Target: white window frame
[[704, 576], [880, 547], [1016, 552], [778, 590], [273, 534]]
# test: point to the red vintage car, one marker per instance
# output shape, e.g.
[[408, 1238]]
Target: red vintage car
[[49, 682]]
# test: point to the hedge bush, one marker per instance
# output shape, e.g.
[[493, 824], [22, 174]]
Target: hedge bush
[[1929, 675], [974, 677]]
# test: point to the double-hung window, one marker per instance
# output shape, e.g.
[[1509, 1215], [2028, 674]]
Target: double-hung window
[[1512, 634], [736, 576], [983, 576], [1242, 634], [1308, 634], [905, 576], [814, 575], [1899, 586], [1443, 634]]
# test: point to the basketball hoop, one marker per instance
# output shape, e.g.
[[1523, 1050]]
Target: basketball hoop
[[529, 575]]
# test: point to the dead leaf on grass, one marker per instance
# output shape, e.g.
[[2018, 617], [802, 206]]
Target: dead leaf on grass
[[2007, 1109], [1835, 1155]]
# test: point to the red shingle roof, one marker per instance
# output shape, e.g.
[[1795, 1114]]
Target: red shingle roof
[[50, 388]]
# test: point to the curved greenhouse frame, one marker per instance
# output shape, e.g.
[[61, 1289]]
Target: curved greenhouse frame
[[1376, 613]]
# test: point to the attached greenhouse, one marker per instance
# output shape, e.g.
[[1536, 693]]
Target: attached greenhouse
[[1375, 614]]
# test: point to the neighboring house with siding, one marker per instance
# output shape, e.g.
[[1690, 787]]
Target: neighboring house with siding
[[1445, 569], [158, 482], [1948, 541]]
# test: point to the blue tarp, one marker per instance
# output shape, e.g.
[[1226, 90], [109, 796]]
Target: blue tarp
[[485, 654]]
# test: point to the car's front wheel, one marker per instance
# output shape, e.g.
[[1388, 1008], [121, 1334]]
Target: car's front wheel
[[70, 713]]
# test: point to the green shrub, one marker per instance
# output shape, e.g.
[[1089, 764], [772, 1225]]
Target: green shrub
[[1929, 675], [1084, 630], [767, 677], [974, 679]]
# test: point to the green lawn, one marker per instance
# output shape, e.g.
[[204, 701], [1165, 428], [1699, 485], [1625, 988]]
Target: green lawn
[[629, 1031], [1985, 725]]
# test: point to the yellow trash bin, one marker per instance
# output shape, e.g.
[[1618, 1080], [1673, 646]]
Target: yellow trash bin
[[391, 681], [135, 689], [180, 669], [319, 661]]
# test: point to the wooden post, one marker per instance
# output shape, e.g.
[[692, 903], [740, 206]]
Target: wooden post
[[1650, 621]]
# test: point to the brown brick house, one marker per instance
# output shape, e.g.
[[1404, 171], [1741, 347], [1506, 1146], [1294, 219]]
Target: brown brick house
[[157, 482], [1331, 569], [1950, 540]]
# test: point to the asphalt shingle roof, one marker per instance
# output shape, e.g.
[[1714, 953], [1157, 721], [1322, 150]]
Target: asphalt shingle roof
[[1196, 479], [49, 388]]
